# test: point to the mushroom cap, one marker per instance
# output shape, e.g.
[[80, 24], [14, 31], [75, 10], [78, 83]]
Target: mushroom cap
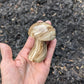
[[42, 31]]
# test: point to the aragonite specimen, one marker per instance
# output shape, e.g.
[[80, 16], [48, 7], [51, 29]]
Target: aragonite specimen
[[41, 32]]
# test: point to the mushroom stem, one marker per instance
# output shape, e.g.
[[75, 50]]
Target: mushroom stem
[[38, 52]]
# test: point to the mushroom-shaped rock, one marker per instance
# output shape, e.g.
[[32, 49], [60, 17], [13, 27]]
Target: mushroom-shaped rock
[[41, 32]]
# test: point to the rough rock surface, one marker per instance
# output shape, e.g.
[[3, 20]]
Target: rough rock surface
[[67, 16]]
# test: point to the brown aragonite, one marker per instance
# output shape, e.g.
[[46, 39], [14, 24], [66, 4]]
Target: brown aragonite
[[41, 32]]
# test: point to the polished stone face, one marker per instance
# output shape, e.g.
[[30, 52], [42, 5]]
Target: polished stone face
[[41, 32]]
